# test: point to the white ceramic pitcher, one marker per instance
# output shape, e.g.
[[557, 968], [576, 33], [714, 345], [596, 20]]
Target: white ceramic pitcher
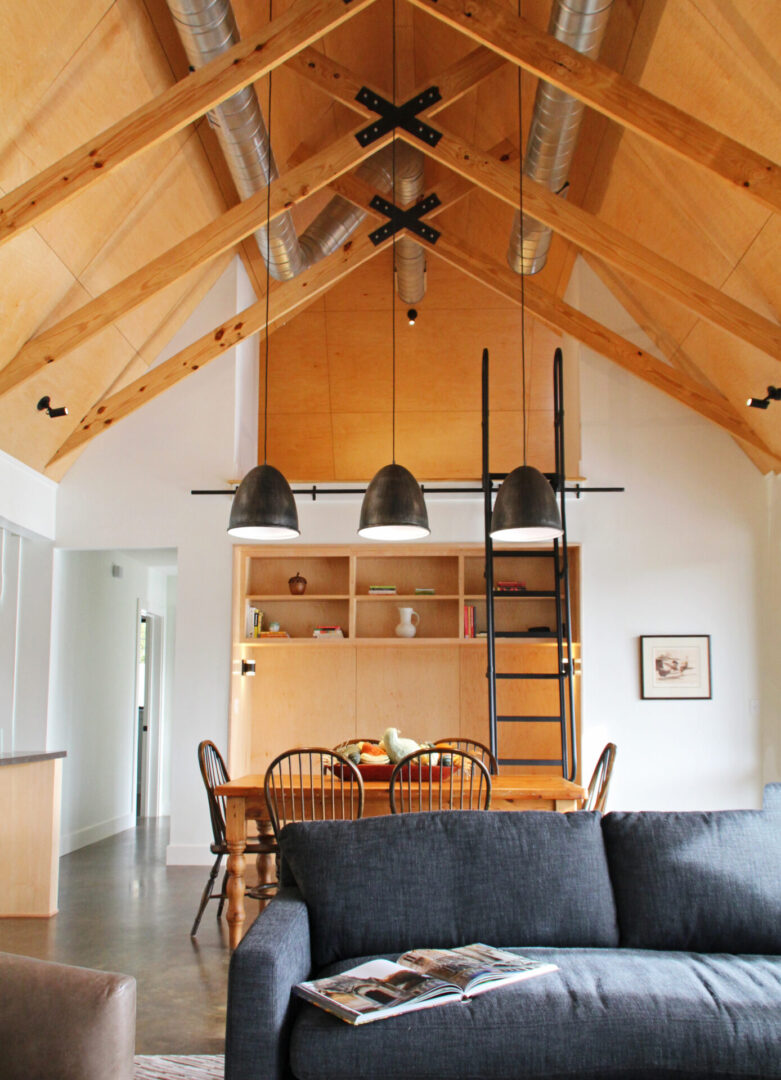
[[406, 627]]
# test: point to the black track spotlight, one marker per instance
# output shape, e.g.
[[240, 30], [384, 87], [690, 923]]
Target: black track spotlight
[[45, 405], [412, 316], [773, 394]]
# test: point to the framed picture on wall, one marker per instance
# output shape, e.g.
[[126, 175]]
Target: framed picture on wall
[[675, 666]]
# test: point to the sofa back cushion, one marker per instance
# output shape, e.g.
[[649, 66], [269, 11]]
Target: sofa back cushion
[[701, 882], [386, 884]]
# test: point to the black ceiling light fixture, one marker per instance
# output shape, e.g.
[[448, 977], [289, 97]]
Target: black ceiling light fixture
[[773, 394], [393, 507], [45, 405], [525, 510], [263, 507]]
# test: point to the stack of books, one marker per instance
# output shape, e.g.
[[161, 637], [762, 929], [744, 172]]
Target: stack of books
[[382, 590], [511, 586], [274, 633], [469, 620], [254, 622], [327, 631], [424, 592]]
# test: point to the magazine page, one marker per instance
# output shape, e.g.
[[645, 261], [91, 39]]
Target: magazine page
[[474, 967], [374, 990]]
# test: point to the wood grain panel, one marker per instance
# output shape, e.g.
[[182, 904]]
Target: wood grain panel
[[30, 796], [415, 689]]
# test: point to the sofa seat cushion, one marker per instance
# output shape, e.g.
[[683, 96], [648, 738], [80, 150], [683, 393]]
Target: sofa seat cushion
[[604, 1015], [704, 882], [444, 878]]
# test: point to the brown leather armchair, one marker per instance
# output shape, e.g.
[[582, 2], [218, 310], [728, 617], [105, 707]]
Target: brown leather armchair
[[65, 1023]]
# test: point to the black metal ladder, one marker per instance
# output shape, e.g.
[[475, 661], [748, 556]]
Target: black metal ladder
[[564, 718]]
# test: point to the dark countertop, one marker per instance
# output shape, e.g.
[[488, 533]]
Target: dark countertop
[[25, 757]]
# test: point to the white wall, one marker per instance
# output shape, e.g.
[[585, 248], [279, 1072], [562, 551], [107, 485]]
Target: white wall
[[681, 551], [92, 687]]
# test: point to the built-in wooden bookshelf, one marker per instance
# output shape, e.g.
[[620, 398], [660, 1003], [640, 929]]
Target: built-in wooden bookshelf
[[317, 691]]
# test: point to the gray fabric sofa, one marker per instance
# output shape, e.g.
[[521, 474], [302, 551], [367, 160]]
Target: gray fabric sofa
[[666, 929]]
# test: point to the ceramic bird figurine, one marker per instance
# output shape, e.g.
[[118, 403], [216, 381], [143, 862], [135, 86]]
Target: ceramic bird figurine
[[395, 747]]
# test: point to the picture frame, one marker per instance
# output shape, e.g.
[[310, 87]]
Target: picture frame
[[675, 667]]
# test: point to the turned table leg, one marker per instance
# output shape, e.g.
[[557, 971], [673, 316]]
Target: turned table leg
[[236, 838]]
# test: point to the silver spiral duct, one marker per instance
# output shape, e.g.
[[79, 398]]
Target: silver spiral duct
[[555, 124], [207, 28]]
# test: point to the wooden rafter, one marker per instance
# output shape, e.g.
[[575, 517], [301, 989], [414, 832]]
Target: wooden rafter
[[238, 222], [605, 90], [561, 316], [219, 235], [582, 228], [304, 22], [285, 301]]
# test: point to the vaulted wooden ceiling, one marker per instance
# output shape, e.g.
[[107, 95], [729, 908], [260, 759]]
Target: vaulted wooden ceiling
[[118, 214]]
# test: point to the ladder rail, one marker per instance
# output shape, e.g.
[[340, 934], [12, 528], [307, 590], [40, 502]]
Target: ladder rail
[[558, 425], [489, 571]]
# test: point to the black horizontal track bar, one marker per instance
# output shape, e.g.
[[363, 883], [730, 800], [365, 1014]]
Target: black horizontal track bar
[[530, 761], [531, 719], [513, 594], [314, 491]]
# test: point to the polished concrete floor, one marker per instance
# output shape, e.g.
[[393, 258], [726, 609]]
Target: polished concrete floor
[[122, 909]]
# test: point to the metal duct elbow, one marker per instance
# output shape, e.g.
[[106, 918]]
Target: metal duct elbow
[[555, 124]]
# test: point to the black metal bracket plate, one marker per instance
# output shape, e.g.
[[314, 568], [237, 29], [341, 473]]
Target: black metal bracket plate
[[403, 116], [404, 219]]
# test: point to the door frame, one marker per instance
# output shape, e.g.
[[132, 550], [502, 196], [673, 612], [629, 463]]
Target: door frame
[[151, 771]]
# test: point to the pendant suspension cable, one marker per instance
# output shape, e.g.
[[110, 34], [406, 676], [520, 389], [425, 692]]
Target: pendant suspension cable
[[523, 274], [393, 249], [268, 263]]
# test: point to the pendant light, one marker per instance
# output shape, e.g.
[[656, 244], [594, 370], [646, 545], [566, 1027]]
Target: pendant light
[[393, 507], [525, 510], [263, 507]]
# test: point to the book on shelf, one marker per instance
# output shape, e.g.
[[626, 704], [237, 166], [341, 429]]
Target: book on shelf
[[376, 590], [420, 979], [510, 586], [424, 592], [469, 620], [274, 634], [327, 631], [254, 622]]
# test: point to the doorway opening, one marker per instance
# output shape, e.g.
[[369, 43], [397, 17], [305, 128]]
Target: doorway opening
[[147, 758]]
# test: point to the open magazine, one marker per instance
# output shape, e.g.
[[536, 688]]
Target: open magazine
[[420, 979]]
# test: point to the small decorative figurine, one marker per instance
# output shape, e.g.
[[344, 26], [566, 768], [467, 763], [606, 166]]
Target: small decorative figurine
[[297, 584]]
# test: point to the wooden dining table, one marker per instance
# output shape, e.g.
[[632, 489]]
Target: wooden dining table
[[244, 801]]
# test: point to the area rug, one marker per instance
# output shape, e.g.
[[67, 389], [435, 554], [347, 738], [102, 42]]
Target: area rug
[[180, 1067]]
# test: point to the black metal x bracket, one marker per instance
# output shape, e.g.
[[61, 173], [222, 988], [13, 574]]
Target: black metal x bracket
[[404, 219], [403, 116]]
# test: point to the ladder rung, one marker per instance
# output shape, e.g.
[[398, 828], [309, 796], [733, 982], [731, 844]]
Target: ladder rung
[[528, 675], [530, 761], [503, 595], [535, 554], [524, 634], [530, 719]]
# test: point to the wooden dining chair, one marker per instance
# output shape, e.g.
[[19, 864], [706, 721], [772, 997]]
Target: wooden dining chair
[[596, 796], [472, 746], [415, 786], [214, 773], [312, 783]]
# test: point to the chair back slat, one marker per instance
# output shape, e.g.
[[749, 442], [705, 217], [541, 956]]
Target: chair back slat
[[416, 786], [596, 797], [312, 784], [473, 746], [214, 773]]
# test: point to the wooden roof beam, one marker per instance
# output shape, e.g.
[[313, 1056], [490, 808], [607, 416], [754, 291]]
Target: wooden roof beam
[[219, 235], [303, 23], [561, 316], [583, 229], [588, 232], [285, 300], [491, 24]]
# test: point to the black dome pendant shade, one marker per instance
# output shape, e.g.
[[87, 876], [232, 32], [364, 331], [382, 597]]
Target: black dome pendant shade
[[263, 507], [393, 507], [525, 509]]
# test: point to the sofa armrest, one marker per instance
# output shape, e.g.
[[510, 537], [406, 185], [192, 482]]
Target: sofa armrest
[[273, 956], [65, 1023]]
